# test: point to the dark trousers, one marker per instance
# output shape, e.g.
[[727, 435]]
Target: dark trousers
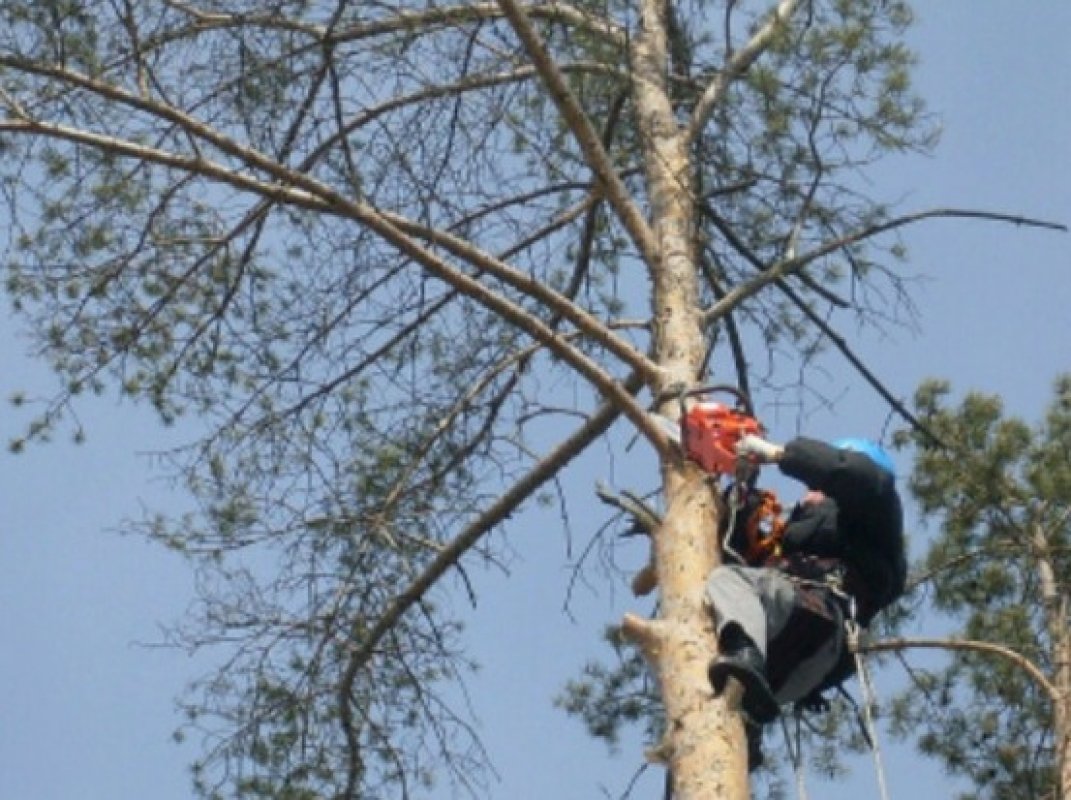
[[797, 625]]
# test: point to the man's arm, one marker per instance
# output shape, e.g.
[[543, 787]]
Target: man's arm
[[852, 479]]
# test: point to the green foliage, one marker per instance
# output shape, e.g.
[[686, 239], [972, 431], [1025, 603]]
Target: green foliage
[[181, 229], [833, 96], [609, 699], [1000, 570]]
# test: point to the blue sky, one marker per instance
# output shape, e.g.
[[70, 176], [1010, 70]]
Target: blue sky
[[87, 712]]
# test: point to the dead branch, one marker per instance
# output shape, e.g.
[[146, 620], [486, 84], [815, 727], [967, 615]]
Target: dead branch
[[988, 648], [589, 140], [737, 64], [792, 265], [646, 519]]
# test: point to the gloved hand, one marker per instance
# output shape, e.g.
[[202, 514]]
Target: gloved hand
[[758, 449]]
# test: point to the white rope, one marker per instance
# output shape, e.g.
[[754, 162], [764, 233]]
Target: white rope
[[736, 493], [869, 698], [796, 754]]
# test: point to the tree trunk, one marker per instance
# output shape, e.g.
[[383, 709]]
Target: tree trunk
[[703, 745], [1062, 719], [1062, 711], [1055, 605]]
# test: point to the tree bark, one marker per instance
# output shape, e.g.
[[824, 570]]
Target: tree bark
[[1055, 605], [703, 746]]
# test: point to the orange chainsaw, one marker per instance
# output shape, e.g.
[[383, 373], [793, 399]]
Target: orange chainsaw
[[708, 433]]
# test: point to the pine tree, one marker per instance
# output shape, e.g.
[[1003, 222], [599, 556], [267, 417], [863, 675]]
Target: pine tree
[[386, 254], [999, 570]]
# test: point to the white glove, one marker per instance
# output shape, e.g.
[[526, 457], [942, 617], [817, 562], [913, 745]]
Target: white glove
[[758, 449]]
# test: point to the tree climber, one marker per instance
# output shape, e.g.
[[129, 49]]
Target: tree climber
[[780, 625]]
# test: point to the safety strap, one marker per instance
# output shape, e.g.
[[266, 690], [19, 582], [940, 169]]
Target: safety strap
[[737, 491]]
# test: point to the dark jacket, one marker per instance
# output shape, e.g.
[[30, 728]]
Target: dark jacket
[[860, 523]]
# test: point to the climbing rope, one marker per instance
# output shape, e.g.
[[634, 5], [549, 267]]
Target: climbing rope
[[794, 746], [795, 752], [869, 699], [736, 493]]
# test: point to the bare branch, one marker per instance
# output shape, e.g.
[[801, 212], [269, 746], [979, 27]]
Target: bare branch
[[737, 64], [643, 515], [498, 512], [736, 344], [402, 22], [517, 316], [864, 371], [311, 193], [591, 327], [988, 648], [587, 137], [838, 341], [749, 255], [790, 266]]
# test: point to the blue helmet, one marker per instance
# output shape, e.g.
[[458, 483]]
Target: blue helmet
[[872, 450]]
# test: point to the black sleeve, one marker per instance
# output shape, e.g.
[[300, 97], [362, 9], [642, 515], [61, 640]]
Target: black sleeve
[[850, 478], [869, 522]]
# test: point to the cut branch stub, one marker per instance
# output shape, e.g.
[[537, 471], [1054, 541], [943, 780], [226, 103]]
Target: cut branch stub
[[644, 520]]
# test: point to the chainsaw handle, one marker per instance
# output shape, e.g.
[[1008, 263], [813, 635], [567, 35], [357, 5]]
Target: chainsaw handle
[[743, 401]]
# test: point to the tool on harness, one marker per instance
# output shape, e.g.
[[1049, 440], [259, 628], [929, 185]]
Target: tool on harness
[[708, 433], [763, 527]]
